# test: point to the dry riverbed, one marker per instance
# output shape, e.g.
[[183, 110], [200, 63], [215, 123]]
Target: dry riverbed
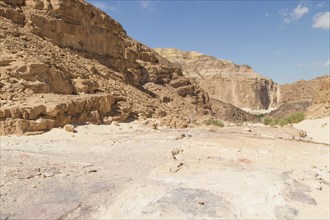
[[134, 171]]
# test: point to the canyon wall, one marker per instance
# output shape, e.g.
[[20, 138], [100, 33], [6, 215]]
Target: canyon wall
[[65, 61], [225, 80]]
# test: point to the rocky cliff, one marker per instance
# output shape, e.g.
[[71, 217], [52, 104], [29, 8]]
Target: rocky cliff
[[65, 61], [321, 102], [68, 62], [302, 90], [224, 80], [311, 97]]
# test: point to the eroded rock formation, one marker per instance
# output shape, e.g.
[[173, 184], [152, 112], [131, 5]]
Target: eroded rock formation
[[311, 97], [224, 80], [73, 53], [72, 48]]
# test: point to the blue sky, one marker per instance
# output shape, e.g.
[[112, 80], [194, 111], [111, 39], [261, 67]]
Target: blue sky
[[282, 40]]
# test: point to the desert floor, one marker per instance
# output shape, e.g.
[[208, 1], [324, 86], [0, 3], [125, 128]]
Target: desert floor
[[317, 129], [134, 171]]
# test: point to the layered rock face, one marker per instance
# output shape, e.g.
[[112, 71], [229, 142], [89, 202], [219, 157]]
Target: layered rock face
[[42, 113], [80, 62], [303, 90], [321, 103], [224, 80], [81, 27], [309, 96]]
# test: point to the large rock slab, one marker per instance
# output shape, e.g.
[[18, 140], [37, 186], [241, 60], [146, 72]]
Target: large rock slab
[[44, 113]]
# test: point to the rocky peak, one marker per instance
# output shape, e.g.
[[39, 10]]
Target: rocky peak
[[224, 80], [198, 65]]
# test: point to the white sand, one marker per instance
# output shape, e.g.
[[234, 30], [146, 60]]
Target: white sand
[[318, 129], [128, 171]]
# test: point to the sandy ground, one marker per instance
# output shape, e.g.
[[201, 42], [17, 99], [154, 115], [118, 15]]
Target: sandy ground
[[133, 171], [317, 129]]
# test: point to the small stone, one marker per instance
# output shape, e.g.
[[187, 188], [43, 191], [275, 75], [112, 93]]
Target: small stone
[[108, 120], [319, 188], [48, 174], [302, 134], [180, 137], [154, 126], [175, 152], [248, 129], [116, 123], [69, 128], [176, 168]]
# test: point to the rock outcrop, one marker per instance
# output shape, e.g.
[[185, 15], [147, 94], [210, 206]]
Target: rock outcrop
[[321, 102], [223, 80], [75, 56], [311, 97], [44, 112], [82, 62], [302, 90]]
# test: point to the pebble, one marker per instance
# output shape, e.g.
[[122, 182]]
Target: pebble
[[116, 123], [48, 174], [180, 137], [247, 129], [69, 128], [319, 188]]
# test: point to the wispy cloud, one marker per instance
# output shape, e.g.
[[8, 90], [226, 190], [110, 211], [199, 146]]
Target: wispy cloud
[[327, 63], [147, 4], [322, 20], [285, 15], [299, 11], [320, 5], [294, 14], [316, 64]]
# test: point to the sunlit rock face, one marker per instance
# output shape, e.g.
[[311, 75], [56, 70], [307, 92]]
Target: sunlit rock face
[[225, 80]]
